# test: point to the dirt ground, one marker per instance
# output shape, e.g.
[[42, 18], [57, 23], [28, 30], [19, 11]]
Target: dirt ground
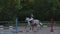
[[22, 30]]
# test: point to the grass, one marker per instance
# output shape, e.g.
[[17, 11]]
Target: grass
[[23, 24], [57, 24]]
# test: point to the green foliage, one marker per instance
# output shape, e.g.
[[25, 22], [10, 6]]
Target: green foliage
[[42, 9], [8, 11]]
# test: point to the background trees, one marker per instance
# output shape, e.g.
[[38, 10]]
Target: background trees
[[42, 9]]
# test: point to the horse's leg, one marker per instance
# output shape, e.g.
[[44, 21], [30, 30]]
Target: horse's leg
[[38, 27], [30, 27]]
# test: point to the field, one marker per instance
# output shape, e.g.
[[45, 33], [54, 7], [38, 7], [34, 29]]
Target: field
[[21, 29], [44, 30]]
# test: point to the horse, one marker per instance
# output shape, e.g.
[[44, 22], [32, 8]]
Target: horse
[[37, 23]]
